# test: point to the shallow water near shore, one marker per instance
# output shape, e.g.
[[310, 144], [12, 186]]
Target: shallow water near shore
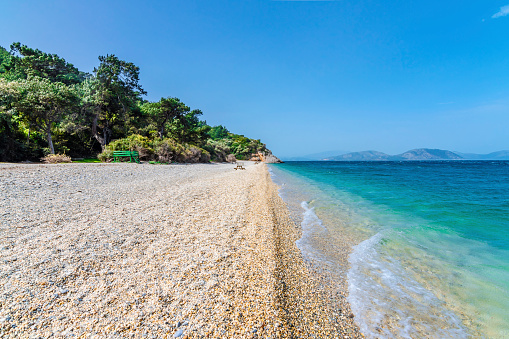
[[430, 255]]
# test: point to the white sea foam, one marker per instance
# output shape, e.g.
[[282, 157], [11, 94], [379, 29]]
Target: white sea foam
[[271, 172], [382, 293], [417, 276], [311, 227], [275, 179]]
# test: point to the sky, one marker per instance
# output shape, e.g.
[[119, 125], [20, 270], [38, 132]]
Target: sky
[[302, 76]]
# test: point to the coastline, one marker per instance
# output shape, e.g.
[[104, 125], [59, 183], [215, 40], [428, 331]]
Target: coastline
[[167, 251], [311, 303]]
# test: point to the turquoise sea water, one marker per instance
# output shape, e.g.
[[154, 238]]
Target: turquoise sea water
[[431, 254]]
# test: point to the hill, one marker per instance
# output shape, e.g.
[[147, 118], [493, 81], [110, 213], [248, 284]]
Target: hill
[[428, 154], [500, 155], [315, 156], [415, 154], [361, 156]]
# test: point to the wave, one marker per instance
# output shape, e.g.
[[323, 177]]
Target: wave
[[311, 227], [388, 303]]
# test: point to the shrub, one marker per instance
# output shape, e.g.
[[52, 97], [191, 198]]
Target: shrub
[[168, 150], [205, 156], [56, 159], [231, 158], [106, 156], [130, 143], [162, 151], [134, 142], [195, 154], [218, 149]]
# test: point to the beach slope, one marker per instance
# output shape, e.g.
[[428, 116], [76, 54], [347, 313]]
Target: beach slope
[[127, 250]]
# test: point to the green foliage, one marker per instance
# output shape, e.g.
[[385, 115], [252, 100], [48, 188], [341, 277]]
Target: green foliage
[[168, 150], [12, 147], [87, 161], [75, 143], [39, 102], [164, 151], [243, 147], [131, 143], [106, 155], [111, 96], [26, 61], [218, 132], [164, 112], [5, 65], [47, 105], [218, 149], [189, 129], [134, 143]]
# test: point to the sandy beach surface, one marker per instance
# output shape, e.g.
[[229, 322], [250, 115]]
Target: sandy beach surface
[[156, 251]]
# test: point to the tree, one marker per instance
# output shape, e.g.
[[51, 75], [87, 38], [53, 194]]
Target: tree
[[5, 60], [8, 94], [218, 132], [74, 111], [111, 95], [40, 102], [165, 111], [26, 61], [189, 129], [243, 147]]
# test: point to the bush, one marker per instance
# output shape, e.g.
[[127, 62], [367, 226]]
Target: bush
[[162, 151], [13, 145], [218, 149], [231, 158], [106, 156], [130, 143], [205, 156], [167, 150], [193, 155], [134, 142], [56, 159]]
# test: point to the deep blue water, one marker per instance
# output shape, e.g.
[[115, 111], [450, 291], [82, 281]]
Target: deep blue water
[[432, 241]]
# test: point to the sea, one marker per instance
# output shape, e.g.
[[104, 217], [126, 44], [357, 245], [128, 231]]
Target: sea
[[427, 242]]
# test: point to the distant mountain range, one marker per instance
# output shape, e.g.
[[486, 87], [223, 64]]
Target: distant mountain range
[[500, 155], [418, 154], [315, 156]]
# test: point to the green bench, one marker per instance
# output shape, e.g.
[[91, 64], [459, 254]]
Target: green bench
[[133, 155]]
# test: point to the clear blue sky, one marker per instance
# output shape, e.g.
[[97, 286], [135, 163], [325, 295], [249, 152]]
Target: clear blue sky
[[303, 76]]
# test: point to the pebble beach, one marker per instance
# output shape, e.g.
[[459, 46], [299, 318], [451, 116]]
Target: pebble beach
[[156, 251]]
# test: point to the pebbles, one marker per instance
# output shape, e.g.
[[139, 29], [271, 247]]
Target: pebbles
[[127, 250]]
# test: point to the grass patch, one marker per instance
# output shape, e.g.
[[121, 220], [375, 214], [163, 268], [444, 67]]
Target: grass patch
[[87, 161], [159, 163]]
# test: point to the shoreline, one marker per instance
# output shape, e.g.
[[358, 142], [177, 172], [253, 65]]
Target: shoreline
[[170, 251], [311, 303]]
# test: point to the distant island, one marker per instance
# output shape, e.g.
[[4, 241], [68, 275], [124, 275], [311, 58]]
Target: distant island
[[418, 154]]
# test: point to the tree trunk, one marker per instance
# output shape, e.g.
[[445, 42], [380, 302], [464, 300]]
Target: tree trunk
[[161, 131], [106, 135], [50, 141], [96, 134]]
